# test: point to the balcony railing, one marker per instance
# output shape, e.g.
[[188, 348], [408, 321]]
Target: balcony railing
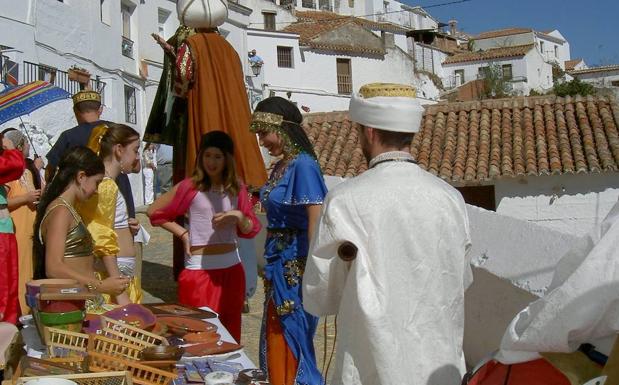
[[344, 84], [127, 47], [58, 78]]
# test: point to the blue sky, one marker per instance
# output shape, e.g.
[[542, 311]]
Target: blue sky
[[591, 27]]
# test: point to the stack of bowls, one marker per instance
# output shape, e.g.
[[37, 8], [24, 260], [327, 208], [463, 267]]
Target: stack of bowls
[[61, 314]]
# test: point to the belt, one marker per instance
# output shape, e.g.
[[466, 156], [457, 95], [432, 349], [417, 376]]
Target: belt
[[282, 231]]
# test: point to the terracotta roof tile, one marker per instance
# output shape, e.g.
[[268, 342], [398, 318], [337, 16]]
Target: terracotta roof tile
[[480, 141], [502, 32], [608, 68], [570, 64], [312, 24], [494, 53]]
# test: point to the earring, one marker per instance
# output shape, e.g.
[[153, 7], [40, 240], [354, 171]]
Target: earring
[[122, 168]]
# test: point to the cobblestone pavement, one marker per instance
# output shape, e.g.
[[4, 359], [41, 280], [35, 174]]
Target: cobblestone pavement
[[159, 285]]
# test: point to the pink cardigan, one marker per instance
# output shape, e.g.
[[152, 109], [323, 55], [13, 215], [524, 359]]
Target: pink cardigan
[[185, 193]]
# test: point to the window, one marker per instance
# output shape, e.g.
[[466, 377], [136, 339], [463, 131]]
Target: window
[[162, 19], [130, 114], [104, 11], [344, 77], [541, 47], [269, 21], [506, 70], [125, 11], [482, 72], [385, 6], [556, 51], [459, 75], [284, 57], [308, 4], [614, 83]]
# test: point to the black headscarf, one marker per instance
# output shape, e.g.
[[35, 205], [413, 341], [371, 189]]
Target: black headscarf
[[291, 126]]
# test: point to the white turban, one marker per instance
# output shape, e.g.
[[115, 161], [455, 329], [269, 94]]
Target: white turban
[[389, 107]]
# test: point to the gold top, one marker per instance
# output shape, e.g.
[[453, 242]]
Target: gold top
[[86, 96], [79, 242], [387, 89]]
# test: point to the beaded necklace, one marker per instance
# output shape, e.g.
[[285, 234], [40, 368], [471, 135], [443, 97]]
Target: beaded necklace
[[276, 176]]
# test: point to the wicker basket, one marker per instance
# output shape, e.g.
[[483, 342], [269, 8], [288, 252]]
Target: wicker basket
[[101, 378], [140, 374], [112, 347], [65, 347], [124, 332]]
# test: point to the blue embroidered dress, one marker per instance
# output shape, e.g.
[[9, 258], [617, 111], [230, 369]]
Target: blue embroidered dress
[[286, 247]]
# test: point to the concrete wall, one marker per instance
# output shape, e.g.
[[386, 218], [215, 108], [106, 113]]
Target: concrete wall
[[568, 203]]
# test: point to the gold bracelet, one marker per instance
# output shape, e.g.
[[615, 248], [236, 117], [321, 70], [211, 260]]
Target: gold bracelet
[[92, 288], [185, 232], [246, 224]]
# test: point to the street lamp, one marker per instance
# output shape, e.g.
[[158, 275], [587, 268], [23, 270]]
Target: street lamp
[[255, 69]]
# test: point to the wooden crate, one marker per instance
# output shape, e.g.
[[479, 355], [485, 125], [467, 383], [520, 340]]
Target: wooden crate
[[112, 347], [140, 374], [127, 333]]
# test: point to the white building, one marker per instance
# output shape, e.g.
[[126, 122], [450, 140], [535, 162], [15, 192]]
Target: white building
[[601, 77], [321, 58], [551, 44], [523, 66], [42, 39]]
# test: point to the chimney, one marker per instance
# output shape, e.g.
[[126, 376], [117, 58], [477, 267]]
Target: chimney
[[452, 27]]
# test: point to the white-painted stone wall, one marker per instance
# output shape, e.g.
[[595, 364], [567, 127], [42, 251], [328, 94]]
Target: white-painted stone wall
[[313, 78], [562, 52], [600, 79], [567, 203], [532, 66]]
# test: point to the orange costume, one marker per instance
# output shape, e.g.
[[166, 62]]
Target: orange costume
[[210, 75]]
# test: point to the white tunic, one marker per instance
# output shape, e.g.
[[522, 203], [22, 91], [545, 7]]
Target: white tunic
[[581, 304], [400, 306]]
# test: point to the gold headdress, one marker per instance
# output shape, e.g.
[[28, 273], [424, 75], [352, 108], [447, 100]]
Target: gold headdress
[[86, 96]]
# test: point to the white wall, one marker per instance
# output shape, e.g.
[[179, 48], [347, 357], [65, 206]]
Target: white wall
[[256, 19], [504, 41], [562, 52], [567, 203], [600, 79], [539, 73], [313, 80]]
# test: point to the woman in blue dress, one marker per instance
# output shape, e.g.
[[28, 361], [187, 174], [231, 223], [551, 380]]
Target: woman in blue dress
[[292, 198]]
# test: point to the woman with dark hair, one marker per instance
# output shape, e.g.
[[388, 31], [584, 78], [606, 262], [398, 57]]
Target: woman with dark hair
[[220, 211], [23, 196], [11, 168], [292, 198], [63, 246], [106, 213]]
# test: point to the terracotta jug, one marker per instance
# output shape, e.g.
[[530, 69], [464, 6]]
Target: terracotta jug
[[202, 13]]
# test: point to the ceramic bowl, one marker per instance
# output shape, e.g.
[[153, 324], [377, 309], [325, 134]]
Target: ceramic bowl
[[34, 287], [201, 337], [133, 314], [50, 381], [54, 319], [61, 306], [162, 353], [32, 301]]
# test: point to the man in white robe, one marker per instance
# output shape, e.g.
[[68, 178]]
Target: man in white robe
[[400, 301]]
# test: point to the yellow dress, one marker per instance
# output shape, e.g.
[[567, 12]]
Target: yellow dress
[[23, 218], [99, 213]]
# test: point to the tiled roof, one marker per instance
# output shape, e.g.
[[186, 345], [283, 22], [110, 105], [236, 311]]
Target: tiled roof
[[570, 64], [596, 69], [474, 142], [502, 32], [311, 25], [494, 53]]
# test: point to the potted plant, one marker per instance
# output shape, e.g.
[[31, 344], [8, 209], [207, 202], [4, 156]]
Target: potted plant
[[79, 75]]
